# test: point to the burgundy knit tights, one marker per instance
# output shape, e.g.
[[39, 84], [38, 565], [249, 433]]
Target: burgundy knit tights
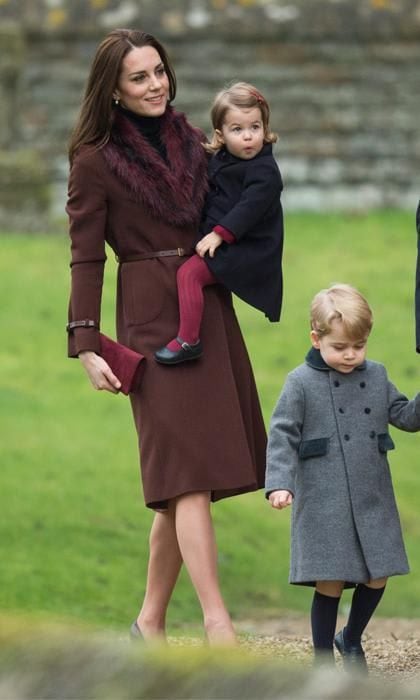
[[192, 276]]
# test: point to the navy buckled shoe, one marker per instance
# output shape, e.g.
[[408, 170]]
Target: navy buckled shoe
[[353, 654], [174, 357]]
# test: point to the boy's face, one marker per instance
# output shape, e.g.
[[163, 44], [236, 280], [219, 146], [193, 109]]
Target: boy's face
[[340, 352]]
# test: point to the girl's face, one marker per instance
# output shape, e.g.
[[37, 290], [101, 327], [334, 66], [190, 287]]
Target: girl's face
[[340, 352], [242, 132], [143, 86]]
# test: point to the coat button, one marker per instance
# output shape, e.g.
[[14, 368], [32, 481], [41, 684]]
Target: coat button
[[341, 410], [336, 382], [367, 410], [362, 385], [347, 437], [372, 434]]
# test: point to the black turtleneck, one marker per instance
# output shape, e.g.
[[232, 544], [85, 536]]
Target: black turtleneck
[[149, 128]]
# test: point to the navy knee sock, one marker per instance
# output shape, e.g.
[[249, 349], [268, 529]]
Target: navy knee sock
[[364, 603], [323, 619]]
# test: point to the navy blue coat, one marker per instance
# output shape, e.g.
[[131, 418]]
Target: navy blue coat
[[417, 297], [244, 197]]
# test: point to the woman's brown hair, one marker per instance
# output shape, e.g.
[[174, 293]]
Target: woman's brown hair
[[96, 114]]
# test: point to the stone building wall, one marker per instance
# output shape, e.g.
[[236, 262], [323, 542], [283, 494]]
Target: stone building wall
[[342, 78]]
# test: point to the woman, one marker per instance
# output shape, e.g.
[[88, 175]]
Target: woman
[[138, 181]]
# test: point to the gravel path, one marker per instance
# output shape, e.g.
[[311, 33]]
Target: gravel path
[[392, 645]]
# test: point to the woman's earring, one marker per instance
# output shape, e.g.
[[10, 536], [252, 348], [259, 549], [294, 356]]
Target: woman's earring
[[116, 101]]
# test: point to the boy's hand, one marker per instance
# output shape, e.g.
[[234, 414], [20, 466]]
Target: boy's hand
[[208, 244], [280, 499]]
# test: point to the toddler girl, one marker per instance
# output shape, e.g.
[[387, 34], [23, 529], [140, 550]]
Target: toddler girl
[[242, 225]]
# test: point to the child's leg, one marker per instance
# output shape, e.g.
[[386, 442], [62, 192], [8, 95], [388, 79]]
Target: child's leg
[[364, 603], [192, 276], [324, 617]]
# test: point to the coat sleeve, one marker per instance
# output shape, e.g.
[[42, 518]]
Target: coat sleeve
[[87, 211], [285, 437], [403, 413], [417, 290], [261, 190]]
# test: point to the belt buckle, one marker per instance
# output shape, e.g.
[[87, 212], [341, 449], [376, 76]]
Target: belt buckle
[[180, 252]]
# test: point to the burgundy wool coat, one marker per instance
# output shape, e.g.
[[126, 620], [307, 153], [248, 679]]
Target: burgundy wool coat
[[199, 424]]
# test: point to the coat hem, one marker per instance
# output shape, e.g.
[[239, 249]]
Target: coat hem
[[215, 495], [348, 583]]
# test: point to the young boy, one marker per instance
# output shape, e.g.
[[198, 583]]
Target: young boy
[[327, 453]]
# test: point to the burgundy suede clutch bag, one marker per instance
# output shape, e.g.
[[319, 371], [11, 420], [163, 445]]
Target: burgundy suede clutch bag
[[128, 365]]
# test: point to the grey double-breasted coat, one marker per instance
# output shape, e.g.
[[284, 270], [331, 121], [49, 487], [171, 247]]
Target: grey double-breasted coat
[[328, 445]]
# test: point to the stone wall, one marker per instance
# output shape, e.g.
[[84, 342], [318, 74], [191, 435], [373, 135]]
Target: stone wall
[[342, 78]]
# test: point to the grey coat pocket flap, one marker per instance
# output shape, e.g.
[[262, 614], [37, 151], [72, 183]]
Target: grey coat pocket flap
[[313, 448], [385, 442]]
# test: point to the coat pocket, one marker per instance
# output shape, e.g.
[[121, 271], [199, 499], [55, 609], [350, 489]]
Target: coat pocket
[[143, 294], [317, 447], [385, 442]]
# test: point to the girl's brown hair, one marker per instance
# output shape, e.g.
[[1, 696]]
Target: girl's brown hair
[[343, 303], [240, 95], [96, 114]]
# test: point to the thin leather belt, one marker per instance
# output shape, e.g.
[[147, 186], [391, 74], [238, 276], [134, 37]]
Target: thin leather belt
[[180, 252]]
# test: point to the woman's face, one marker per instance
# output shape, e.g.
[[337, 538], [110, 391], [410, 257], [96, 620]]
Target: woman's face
[[143, 86]]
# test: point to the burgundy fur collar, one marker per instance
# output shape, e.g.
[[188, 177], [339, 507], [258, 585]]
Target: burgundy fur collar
[[174, 191]]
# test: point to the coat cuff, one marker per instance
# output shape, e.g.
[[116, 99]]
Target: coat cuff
[[272, 484], [81, 339], [227, 235]]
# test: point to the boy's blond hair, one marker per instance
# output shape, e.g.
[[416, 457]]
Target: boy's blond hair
[[240, 95], [343, 303]]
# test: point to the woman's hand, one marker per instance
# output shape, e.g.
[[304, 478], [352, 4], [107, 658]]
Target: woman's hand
[[208, 244], [280, 499], [99, 372]]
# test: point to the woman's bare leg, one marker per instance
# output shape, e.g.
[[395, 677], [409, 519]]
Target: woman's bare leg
[[197, 544], [163, 569]]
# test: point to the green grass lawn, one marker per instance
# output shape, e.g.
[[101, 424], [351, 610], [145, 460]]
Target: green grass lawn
[[73, 528]]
